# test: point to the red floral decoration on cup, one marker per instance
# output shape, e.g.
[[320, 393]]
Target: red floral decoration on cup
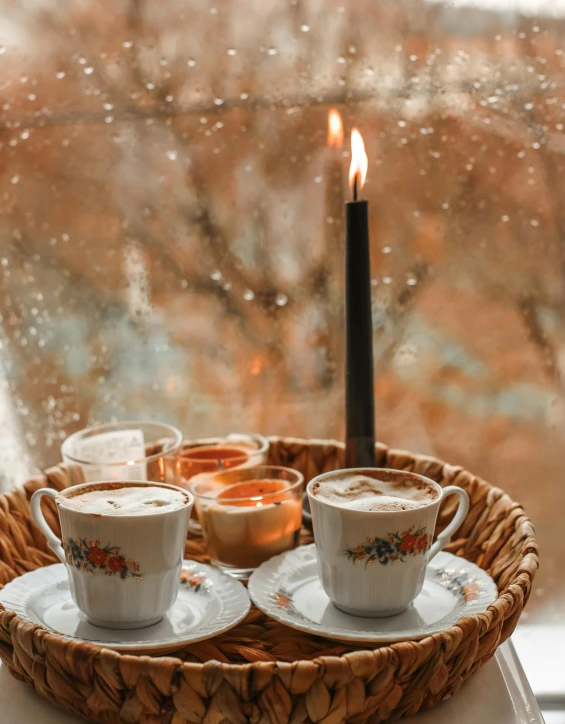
[[90, 557]]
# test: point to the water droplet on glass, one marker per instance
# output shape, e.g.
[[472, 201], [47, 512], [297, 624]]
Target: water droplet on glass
[[402, 124], [172, 155], [341, 60], [231, 51], [191, 63], [505, 218], [216, 275], [534, 222], [387, 249], [60, 75], [2, 49], [272, 51], [305, 28], [150, 86], [24, 135], [127, 43], [108, 119], [15, 179], [169, 99], [244, 96], [89, 70], [219, 101], [411, 282], [317, 179], [32, 97], [108, 106], [387, 280], [281, 299], [248, 295]]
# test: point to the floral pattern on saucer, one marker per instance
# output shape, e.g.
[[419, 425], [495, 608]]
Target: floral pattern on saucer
[[394, 548], [465, 586], [91, 557], [197, 580], [283, 599]]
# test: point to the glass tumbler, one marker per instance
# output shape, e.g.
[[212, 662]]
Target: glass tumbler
[[128, 450]]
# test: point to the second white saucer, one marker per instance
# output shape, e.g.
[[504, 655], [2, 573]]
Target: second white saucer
[[209, 602], [288, 588]]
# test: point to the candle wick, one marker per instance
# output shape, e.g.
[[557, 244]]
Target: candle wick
[[355, 187]]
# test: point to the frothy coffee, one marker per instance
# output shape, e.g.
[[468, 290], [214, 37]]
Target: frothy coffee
[[121, 499], [360, 492]]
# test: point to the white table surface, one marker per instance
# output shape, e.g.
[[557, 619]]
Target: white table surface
[[498, 694]]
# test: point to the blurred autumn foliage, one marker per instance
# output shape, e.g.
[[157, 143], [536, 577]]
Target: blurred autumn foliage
[[171, 231]]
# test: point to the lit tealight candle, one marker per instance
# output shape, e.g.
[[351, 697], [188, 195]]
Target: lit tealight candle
[[248, 516]]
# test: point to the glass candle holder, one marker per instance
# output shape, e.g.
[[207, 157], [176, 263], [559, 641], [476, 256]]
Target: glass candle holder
[[128, 450], [220, 453], [236, 450], [248, 515]]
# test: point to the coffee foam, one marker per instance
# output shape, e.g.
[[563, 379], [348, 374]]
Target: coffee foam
[[360, 492], [122, 500]]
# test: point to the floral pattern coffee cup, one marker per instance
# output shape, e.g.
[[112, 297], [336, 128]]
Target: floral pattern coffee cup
[[373, 530], [123, 546]]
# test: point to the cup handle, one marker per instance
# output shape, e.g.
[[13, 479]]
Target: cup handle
[[445, 536], [37, 514]]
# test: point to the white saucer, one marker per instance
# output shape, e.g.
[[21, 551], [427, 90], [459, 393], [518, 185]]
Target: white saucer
[[288, 589], [209, 602]]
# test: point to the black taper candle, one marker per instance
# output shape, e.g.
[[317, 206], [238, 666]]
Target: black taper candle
[[359, 394]]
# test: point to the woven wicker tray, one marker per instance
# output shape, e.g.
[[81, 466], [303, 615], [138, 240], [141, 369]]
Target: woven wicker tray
[[261, 671]]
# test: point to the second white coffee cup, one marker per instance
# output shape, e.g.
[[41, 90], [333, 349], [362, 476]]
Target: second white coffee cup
[[124, 570], [373, 562]]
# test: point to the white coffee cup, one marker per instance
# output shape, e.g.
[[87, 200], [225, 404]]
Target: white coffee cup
[[373, 563], [124, 570]]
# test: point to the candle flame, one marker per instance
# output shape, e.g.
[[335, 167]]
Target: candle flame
[[335, 129], [359, 161]]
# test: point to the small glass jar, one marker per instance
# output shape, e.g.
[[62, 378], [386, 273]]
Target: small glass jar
[[207, 455], [235, 450], [248, 515], [128, 450]]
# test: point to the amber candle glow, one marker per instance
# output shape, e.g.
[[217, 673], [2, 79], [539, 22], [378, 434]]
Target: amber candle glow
[[249, 515]]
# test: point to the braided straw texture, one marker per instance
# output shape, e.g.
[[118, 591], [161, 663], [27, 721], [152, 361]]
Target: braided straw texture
[[261, 671]]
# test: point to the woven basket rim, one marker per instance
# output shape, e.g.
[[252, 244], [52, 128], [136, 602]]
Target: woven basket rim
[[263, 671]]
